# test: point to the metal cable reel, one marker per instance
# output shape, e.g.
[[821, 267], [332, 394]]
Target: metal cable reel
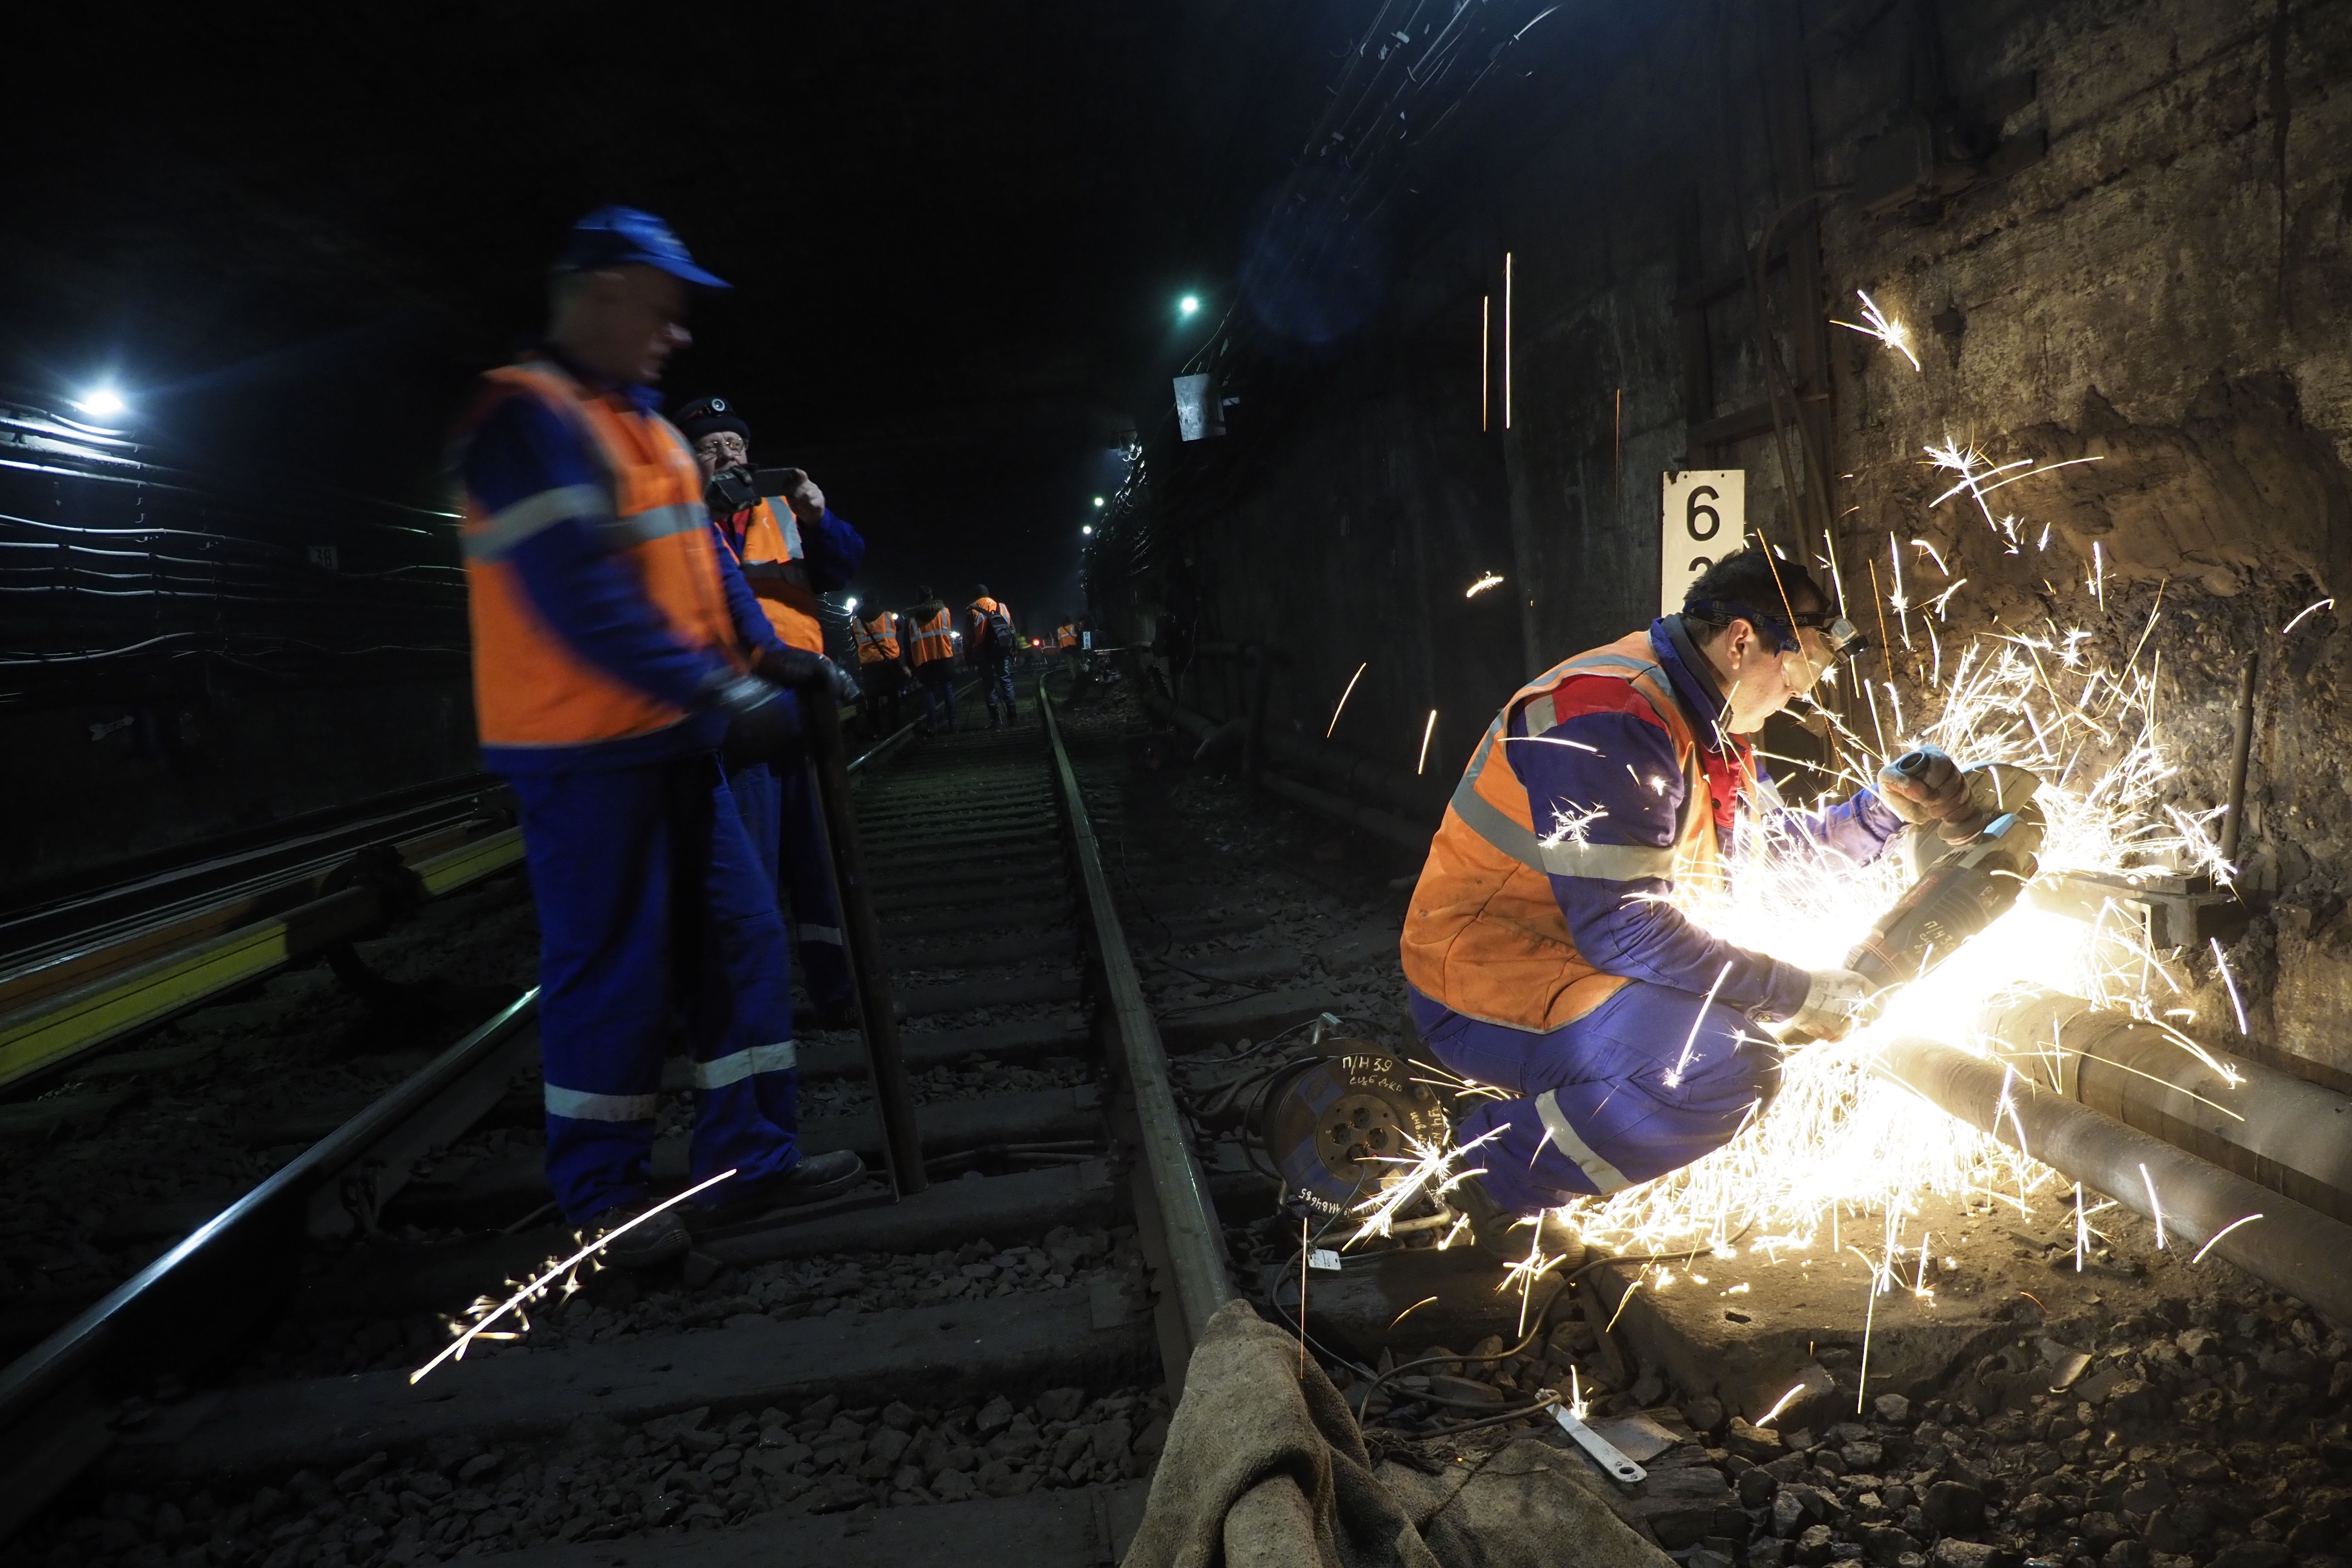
[[1338, 1121]]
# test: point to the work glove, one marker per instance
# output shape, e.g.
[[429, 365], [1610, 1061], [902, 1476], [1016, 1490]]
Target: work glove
[[1834, 1000], [1924, 786], [761, 721]]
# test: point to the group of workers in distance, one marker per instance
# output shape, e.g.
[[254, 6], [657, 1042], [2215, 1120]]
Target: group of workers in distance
[[916, 647], [643, 619]]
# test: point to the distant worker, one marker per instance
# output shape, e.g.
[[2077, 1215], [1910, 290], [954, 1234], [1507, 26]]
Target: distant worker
[[992, 641], [614, 648], [934, 658], [1066, 638], [882, 667], [1542, 955], [788, 561]]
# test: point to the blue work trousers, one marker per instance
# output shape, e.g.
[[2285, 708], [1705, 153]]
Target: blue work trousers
[[654, 916], [937, 682], [785, 820], [1628, 1092], [995, 686]]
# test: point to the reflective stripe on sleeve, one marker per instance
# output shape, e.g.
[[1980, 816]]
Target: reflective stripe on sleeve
[[533, 515], [830, 935], [577, 1105], [657, 523], [1605, 1177], [737, 1066]]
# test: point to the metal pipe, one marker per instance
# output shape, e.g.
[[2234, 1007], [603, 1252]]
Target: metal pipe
[[1168, 1178], [2242, 741], [861, 936], [1390, 829], [2266, 1125], [2291, 1247]]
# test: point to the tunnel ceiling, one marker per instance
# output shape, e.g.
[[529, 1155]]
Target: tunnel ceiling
[[955, 230]]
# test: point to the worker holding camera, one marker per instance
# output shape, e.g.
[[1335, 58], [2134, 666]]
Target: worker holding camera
[[788, 560]]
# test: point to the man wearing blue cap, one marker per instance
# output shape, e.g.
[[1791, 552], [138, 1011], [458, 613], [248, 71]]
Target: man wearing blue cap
[[615, 647]]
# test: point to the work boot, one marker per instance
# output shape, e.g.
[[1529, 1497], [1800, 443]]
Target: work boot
[[1507, 1238], [643, 1244], [814, 1179]]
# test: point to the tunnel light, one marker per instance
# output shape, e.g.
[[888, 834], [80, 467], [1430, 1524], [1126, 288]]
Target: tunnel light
[[1189, 305], [1098, 500], [1087, 529], [102, 403], [850, 604]]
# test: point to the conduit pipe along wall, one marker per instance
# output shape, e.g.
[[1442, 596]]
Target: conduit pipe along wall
[[1381, 825], [2291, 1247], [2269, 1127], [1418, 798]]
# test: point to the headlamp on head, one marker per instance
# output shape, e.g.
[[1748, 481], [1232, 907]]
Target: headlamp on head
[[1845, 640]]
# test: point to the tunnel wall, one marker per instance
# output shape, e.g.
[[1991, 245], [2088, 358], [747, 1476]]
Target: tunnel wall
[[2152, 267]]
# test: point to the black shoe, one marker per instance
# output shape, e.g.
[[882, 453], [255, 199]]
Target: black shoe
[[814, 1179], [643, 1245], [1507, 1238]]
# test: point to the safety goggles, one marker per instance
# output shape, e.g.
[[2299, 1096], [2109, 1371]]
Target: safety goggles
[[1843, 639]]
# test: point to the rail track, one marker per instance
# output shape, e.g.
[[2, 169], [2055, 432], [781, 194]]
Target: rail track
[[989, 1342]]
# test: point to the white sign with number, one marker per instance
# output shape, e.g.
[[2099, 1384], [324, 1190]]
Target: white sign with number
[[1705, 518]]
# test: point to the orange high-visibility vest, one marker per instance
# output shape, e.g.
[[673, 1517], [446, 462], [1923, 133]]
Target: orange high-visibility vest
[[1484, 934], [530, 687], [877, 639], [772, 560], [1066, 636], [935, 638]]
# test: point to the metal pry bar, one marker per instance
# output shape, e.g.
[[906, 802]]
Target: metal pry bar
[[1604, 1453]]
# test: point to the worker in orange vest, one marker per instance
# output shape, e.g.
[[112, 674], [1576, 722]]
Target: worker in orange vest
[[1541, 953], [934, 658], [789, 556], [992, 640], [615, 649], [882, 667]]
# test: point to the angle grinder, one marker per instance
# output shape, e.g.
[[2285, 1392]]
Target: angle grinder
[[1969, 872]]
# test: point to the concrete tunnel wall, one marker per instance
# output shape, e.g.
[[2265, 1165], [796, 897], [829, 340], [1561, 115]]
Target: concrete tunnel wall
[[2169, 286]]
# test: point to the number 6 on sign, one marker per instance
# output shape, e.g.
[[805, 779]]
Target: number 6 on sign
[[1705, 518]]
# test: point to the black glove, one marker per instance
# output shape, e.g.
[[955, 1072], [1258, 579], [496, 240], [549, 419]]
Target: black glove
[[761, 721], [804, 671]]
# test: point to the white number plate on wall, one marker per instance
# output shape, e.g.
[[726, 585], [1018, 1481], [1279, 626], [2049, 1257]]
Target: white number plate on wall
[[1705, 518]]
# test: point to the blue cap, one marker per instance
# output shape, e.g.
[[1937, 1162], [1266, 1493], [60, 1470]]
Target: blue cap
[[623, 237]]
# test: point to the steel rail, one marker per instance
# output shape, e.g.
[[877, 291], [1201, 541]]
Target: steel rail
[[59, 1027], [2291, 1247], [194, 1303], [1172, 1191]]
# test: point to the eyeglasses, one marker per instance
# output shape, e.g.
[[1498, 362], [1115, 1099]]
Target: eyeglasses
[[1844, 638], [722, 444]]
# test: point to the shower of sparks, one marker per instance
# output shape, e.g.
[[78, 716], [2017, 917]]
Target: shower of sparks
[[1409, 1312], [1934, 553], [1343, 698], [2099, 572], [1899, 599], [2220, 1234], [2082, 1228], [1675, 1076], [1571, 824], [1876, 323], [1426, 731], [486, 1311], [2307, 609], [2228, 980], [1621, 1303], [1428, 1169], [1979, 476], [1489, 581], [1575, 1394], [1779, 1405], [2155, 1205], [1838, 1136]]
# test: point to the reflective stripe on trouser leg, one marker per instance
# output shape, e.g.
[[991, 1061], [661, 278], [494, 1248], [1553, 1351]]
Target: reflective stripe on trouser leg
[[740, 1006], [600, 846], [1598, 1113], [808, 886]]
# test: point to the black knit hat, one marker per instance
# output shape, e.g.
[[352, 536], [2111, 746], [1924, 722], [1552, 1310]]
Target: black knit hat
[[704, 415]]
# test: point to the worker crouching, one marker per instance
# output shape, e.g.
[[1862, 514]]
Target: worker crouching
[[1542, 954], [615, 649]]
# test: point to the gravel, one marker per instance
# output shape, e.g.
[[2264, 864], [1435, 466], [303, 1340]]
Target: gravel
[[604, 1482]]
